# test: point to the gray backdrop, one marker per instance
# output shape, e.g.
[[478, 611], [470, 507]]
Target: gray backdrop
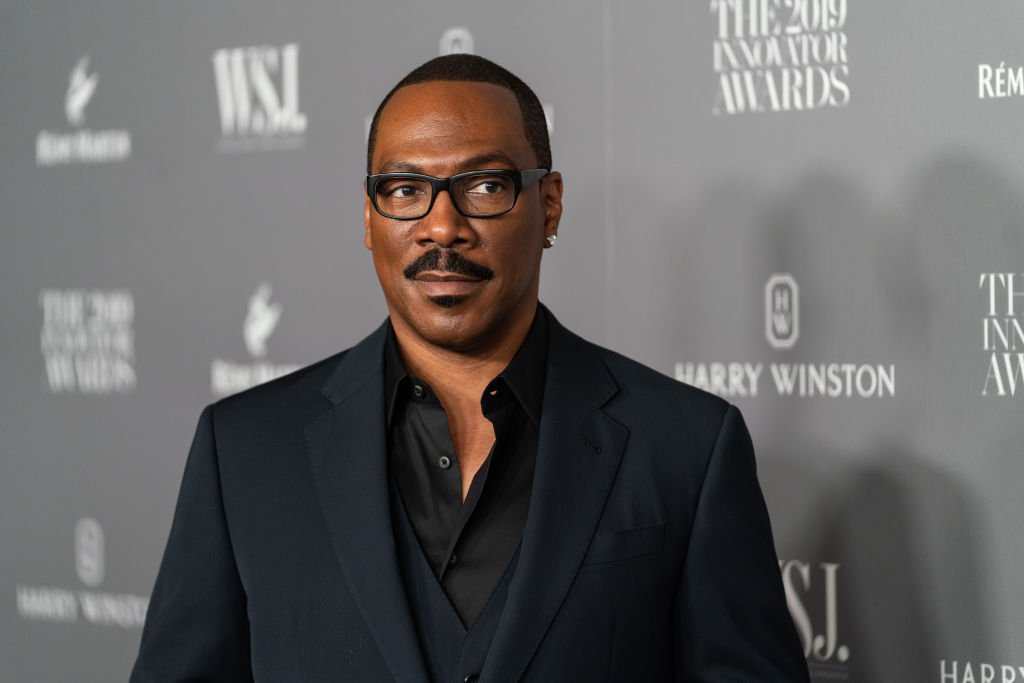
[[811, 207]]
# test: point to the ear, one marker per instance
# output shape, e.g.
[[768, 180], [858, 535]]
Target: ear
[[367, 213], [551, 201]]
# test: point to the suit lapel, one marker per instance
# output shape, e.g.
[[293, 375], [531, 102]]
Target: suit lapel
[[347, 452], [577, 459]]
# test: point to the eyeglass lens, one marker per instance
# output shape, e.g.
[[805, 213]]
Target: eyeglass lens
[[475, 195]]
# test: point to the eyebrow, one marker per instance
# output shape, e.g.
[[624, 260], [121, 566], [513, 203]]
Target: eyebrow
[[488, 159]]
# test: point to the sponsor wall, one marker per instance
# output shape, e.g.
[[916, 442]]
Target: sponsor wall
[[809, 207]]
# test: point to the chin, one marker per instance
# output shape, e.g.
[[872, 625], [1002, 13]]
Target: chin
[[447, 301], [451, 323], [454, 322]]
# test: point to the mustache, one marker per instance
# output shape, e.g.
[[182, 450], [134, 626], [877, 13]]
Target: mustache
[[447, 261]]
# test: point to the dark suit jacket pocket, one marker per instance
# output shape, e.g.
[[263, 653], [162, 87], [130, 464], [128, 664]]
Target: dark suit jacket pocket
[[611, 546]]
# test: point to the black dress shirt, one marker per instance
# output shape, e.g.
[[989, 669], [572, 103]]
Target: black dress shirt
[[468, 545]]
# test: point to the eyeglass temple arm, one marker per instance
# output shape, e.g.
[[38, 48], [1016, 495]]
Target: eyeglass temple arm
[[533, 175]]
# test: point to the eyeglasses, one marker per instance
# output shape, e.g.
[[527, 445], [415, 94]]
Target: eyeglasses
[[476, 194]]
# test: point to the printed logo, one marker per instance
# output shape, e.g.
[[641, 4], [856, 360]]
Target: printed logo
[[835, 379], [549, 118], [258, 97], [811, 595], [781, 311], [81, 146], [1003, 333], [456, 41], [87, 341], [1000, 82], [780, 55], [89, 552], [953, 671], [229, 377], [261, 320], [64, 605], [80, 91]]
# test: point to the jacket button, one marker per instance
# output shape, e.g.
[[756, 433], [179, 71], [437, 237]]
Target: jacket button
[[471, 678]]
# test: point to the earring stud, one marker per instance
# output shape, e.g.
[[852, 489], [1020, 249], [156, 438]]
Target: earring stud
[[551, 240]]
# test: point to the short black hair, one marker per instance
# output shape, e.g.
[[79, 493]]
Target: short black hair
[[475, 69]]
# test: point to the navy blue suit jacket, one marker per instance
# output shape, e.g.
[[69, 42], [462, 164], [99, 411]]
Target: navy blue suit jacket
[[647, 554]]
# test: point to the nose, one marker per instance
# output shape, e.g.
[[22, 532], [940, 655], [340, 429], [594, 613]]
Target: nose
[[444, 225]]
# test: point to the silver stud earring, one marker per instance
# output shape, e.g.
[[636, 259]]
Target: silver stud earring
[[551, 240]]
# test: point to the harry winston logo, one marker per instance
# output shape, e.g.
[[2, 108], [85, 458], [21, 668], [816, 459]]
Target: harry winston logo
[[456, 41], [837, 378], [782, 311], [89, 551], [66, 605]]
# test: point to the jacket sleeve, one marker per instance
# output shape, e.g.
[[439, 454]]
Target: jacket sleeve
[[196, 627], [731, 619]]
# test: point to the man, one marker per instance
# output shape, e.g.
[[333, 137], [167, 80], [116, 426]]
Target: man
[[471, 492]]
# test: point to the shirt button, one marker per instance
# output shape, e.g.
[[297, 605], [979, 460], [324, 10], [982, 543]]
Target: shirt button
[[418, 391], [445, 462]]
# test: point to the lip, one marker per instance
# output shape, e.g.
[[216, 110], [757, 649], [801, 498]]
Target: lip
[[436, 276], [433, 283]]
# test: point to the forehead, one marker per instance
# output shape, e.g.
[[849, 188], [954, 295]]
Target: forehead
[[441, 124]]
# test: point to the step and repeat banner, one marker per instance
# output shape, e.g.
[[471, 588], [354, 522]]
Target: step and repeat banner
[[812, 208]]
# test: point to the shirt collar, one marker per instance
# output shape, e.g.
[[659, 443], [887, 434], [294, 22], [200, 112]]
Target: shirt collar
[[524, 374]]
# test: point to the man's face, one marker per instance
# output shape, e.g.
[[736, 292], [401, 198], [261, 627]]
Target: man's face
[[440, 129]]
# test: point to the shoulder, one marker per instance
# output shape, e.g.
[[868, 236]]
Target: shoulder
[[662, 415], [642, 383], [296, 396], [674, 429], [642, 388]]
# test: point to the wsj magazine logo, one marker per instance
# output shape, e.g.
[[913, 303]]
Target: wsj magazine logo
[[811, 594], [780, 55], [88, 341], [834, 379], [258, 98], [82, 145], [65, 605], [229, 377], [1003, 333]]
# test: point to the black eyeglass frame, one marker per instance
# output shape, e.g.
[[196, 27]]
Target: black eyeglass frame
[[520, 180]]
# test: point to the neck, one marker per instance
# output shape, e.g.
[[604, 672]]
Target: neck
[[459, 377]]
